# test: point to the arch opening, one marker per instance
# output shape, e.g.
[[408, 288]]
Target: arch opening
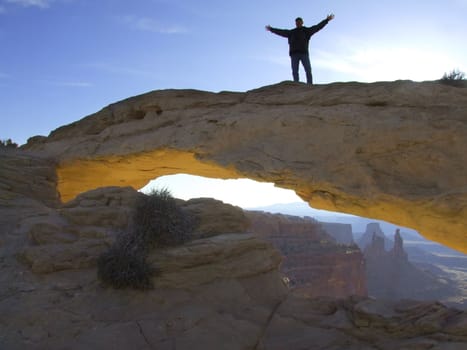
[[249, 194]]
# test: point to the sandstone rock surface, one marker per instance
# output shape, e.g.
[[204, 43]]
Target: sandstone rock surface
[[391, 150], [217, 292], [209, 291], [362, 323], [213, 217]]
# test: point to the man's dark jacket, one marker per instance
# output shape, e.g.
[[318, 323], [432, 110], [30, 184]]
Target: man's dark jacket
[[299, 37]]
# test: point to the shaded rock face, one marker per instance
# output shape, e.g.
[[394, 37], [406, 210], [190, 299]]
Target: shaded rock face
[[74, 235], [374, 229], [213, 217], [313, 262], [398, 251], [392, 151], [26, 178], [361, 323], [215, 292], [342, 233]]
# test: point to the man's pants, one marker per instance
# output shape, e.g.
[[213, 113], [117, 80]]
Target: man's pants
[[296, 58]]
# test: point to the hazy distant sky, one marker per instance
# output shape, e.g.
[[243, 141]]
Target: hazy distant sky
[[61, 60], [244, 193]]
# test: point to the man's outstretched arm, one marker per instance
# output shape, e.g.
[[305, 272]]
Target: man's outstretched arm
[[322, 24], [281, 32]]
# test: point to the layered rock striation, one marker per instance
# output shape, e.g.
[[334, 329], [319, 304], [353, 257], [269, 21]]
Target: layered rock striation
[[391, 150]]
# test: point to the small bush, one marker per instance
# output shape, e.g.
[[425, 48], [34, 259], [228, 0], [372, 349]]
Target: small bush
[[157, 222], [454, 75], [160, 222], [454, 78], [124, 268], [8, 143]]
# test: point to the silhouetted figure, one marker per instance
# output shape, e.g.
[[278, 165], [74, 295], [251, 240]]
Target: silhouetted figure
[[299, 38]]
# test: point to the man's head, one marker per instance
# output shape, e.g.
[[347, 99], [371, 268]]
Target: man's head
[[298, 22]]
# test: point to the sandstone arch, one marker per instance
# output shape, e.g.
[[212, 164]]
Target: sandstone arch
[[393, 151]]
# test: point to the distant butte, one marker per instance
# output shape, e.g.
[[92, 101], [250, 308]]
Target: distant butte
[[395, 151]]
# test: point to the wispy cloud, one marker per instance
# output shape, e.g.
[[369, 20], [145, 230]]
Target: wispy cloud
[[70, 84], [151, 25], [32, 3], [2, 9]]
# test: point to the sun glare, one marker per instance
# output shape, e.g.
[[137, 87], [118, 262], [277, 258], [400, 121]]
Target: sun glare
[[387, 63]]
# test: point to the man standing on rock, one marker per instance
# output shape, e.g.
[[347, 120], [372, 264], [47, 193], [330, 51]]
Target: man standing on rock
[[299, 37]]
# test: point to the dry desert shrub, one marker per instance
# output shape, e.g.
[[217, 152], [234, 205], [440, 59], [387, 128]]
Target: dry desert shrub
[[454, 78], [158, 222]]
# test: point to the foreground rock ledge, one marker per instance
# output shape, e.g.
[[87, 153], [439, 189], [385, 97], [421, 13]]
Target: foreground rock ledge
[[394, 151]]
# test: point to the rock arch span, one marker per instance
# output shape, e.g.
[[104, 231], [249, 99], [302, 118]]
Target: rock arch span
[[395, 151]]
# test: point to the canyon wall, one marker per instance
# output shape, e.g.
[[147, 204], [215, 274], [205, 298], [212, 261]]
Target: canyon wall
[[314, 263], [342, 233], [390, 274]]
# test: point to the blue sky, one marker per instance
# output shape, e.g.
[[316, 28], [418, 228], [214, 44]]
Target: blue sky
[[64, 59]]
